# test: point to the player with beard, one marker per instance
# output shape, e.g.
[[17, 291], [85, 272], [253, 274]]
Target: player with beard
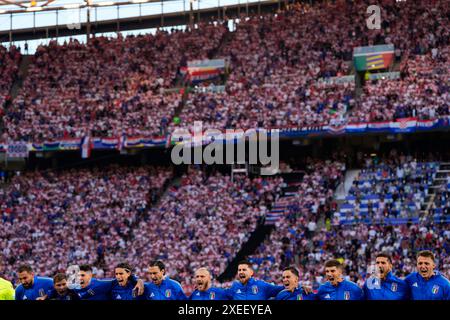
[[427, 283], [384, 285], [95, 289], [161, 286], [31, 286], [61, 290], [293, 291], [204, 290], [337, 288], [125, 287], [249, 288]]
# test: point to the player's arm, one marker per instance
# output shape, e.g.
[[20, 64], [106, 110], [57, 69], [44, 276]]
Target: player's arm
[[359, 293], [272, 290], [138, 284], [319, 293], [447, 291], [19, 293], [228, 293], [406, 290], [365, 290], [180, 292]]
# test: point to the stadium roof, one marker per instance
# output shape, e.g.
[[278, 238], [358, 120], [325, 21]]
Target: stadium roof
[[22, 6]]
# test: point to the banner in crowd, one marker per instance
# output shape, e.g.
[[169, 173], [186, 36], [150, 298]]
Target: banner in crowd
[[17, 150], [85, 144], [373, 57], [202, 70], [405, 125], [371, 76]]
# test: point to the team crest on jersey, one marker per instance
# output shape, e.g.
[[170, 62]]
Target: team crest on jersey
[[212, 295], [255, 290], [300, 297], [346, 295], [394, 287], [435, 289], [168, 293]]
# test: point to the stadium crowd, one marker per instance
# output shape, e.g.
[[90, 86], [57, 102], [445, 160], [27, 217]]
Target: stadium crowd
[[54, 219], [115, 86], [9, 67], [422, 92], [309, 232], [267, 88], [107, 87], [204, 220]]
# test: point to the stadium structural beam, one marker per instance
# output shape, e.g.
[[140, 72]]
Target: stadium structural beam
[[128, 24]]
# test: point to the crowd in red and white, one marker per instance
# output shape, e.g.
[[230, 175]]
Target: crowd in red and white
[[307, 237], [274, 80], [52, 219], [423, 92], [201, 222], [107, 87]]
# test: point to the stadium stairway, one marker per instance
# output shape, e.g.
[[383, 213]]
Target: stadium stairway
[[17, 85], [139, 217], [439, 183], [265, 226], [23, 72]]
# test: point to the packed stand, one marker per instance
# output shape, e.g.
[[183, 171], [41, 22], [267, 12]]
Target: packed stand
[[9, 67], [309, 239], [388, 192], [303, 209], [422, 92], [107, 87], [202, 222], [52, 220], [267, 88]]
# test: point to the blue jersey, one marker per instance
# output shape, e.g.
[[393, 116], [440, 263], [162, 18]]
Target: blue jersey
[[41, 286], [297, 294], [254, 290], [119, 292], [97, 289], [210, 294], [435, 288], [345, 290], [168, 290], [70, 295], [391, 288]]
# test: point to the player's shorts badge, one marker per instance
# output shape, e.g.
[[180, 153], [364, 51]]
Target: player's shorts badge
[[255, 290], [435, 289], [168, 293], [346, 295], [394, 287]]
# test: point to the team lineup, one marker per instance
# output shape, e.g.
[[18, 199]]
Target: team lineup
[[425, 284]]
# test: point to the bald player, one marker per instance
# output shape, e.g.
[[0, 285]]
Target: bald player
[[204, 290]]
